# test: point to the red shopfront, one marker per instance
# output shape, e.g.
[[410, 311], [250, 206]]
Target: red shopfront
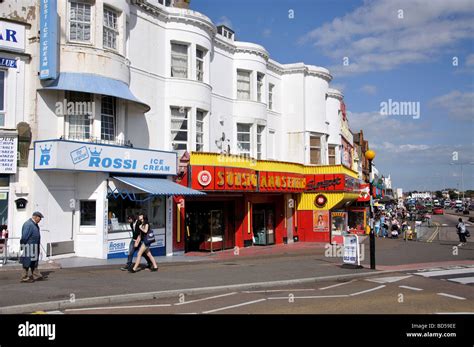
[[243, 207]]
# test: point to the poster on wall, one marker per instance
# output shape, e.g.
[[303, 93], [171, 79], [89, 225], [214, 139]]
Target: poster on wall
[[321, 221], [338, 226]]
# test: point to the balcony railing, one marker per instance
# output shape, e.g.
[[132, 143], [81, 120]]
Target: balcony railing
[[98, 140]]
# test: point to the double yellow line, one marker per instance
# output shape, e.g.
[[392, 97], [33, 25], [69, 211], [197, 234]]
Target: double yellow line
[[435, 233]]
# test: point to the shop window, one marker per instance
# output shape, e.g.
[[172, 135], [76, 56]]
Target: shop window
[[110, 28], [107, 118], [243, 85], [270, 96], [3, 75], [200, 115], [179, 60], [179, 128], [259, 86], [200, 64], [79, 120], [332, 154], [315, 149], [80, 21], [88, 213], [356, 220], [243, 139], [260, 133]]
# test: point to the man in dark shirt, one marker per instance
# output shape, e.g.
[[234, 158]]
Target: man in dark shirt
[[132, 248]]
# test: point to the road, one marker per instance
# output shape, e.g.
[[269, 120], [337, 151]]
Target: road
[[438, 290], [444, 229]]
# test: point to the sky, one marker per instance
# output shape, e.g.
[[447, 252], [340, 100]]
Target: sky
[[381, 54]]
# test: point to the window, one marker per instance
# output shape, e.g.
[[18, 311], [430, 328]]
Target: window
[[260, 130], [2, 97], [200, 64], [179, 128], [87, 213], [270, 96], [107, 118], [80, 119], [200, 130], [332, 154], [259, 86], [80, 21], [243, 139], [110, 28], [315, 150], [271, 144], [243, 85], [179, 60]]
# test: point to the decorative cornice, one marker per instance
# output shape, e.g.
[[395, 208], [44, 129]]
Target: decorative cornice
[[334, 93], [219, 42], [244, 47]]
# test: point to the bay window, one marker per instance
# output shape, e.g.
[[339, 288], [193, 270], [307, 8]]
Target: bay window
[[200, 64], [259, 86], [179, 128], [243, 85], [260, 130], [315, 149], [107, 118], [179, 60], [110, 28], [332, 154], [80, 21], [200, 130], [243, 139], [270, 96], [79, 120]]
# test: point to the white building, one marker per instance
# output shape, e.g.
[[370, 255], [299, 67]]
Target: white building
[[154, 77]]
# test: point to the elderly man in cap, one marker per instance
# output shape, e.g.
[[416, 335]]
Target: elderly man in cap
[[30, 244]]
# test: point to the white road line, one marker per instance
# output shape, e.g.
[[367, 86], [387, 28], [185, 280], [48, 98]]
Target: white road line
[[307, 297], [368, 290], [444, 272], [411, 288], [234, 306], [451, 296], [54, 312], [444, 224], [277, 290], [388, 279], [115, 307], [203, 299], [454, 312], [462, 280], [336, 285]]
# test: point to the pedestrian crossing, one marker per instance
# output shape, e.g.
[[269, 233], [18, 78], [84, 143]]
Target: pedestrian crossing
[[456, 274]]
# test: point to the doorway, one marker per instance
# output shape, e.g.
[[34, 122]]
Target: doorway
[[263, 223]]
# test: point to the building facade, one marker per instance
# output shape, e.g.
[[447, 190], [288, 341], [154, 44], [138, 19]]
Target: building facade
[[135, 105]]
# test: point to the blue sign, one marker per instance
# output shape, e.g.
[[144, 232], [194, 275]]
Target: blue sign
[[8, 62], [48, 39]]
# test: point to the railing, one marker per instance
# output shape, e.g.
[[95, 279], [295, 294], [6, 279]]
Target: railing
[[6, 254], [100, 141]]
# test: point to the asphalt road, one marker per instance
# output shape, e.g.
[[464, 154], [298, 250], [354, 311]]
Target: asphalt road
[[440, 290]]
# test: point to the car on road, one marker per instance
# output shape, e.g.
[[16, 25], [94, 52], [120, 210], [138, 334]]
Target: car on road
[[438, 210]]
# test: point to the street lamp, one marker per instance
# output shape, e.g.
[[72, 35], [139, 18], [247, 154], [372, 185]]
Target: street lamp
[[370, 155]]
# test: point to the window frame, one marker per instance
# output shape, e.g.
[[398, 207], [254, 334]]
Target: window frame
[[81, 202], [106, 115], [91, 23], [186, 119], [260, 141], [106, 28], [202, 61], [202, 133], [312, 147], [177, 53], [260, 84], [89, 117], [249, 83], [239, 149], [331, 156], [271, 86]]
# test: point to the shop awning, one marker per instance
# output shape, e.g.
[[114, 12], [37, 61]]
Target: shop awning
[[157, 186], [95, 84]]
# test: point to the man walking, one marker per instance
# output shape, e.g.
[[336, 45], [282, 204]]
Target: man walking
[[30, 243], [461, 228], [133, 247]]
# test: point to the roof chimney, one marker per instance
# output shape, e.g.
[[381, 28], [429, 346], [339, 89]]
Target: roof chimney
[[182, 3]]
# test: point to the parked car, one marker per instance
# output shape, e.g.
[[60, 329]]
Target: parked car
[[471, 206], [438, 210]]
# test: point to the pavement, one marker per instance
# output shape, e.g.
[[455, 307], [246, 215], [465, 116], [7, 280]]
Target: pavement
[[101, 282]]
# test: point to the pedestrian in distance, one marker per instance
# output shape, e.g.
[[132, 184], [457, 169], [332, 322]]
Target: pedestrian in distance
[[134, 246], [30, 244], [145, 246], [462, 232]]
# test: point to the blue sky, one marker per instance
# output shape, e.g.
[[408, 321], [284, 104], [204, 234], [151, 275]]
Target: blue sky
[[401, 50]]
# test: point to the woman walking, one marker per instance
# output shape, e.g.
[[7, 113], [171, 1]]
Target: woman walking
[[145, 246]]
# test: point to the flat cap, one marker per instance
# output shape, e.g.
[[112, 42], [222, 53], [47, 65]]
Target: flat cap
[[38, 214]]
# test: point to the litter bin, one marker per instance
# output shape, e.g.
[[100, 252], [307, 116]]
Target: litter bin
[[260, 237]]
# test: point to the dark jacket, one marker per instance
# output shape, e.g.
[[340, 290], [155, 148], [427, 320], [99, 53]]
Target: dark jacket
[[30, 242], [136, 231]]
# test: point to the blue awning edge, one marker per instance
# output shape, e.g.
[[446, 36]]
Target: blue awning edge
[[158, 186], [95, 84]]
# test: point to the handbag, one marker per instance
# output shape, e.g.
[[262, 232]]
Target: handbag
[[149, 238]]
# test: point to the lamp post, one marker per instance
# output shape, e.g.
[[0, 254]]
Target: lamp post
[[370, 155]]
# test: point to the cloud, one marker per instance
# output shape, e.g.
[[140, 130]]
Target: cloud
[[224, 20], [338, 86], [369, 89], [458, 105], [374, 38], [267, 33]]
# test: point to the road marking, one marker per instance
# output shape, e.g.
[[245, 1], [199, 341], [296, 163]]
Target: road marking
[[336, 285], [454, 312], [203, 299], [277, 290], [462, 280], [54, 312], [234, 306], [411, 288], [444, 272], [435, 233], [444, 225], [451, 296], [307, 297], [115, 307], [388, 279], [368, 290]]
